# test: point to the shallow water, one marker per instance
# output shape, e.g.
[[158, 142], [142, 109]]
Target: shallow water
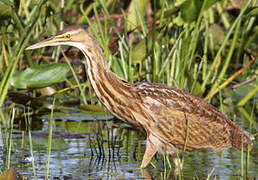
[[109, 150]]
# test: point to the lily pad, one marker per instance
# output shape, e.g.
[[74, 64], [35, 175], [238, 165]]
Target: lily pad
[[79, 116], [40, 141], [40, 76]]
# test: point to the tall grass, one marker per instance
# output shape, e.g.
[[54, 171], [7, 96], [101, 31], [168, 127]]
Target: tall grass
[[201, 49], [24, 32], [171, 48]]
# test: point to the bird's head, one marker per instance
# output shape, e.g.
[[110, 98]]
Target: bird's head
[[71, 36]]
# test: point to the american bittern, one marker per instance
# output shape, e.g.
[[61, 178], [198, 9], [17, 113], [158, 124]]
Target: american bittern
[[174, 120]]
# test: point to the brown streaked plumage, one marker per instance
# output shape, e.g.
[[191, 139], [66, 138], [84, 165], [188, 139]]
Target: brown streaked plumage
[[174, 120]]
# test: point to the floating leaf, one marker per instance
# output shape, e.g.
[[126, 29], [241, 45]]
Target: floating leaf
[[77, 127], [89, 116], [92, 108], [40, 76], [40, 141]]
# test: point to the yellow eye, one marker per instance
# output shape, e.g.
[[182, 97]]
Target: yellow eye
[[68, 36]]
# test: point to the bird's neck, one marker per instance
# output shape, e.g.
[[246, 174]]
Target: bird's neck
[[118, 96], [111, 90]]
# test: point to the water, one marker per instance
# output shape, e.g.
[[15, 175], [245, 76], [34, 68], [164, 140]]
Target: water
[[109, 150]]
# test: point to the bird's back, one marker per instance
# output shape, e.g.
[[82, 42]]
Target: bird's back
[[187, 122]]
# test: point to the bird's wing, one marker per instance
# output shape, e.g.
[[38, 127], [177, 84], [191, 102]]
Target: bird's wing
[[185, 121]]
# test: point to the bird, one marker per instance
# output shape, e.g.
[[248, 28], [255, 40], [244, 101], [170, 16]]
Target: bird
[[173, 120]]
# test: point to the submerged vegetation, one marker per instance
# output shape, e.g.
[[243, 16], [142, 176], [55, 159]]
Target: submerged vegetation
[[207, 48]]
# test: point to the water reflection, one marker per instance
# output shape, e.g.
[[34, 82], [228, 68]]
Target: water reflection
[[104, 150]]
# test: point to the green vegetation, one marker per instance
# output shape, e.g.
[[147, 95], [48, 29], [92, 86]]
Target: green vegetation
[[196, 46], [205, 47]]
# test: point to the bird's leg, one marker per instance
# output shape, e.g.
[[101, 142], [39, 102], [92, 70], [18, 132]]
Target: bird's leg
[[150, 151], [178, 164]]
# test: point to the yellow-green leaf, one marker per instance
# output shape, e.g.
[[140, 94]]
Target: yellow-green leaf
[[136, 13], [40, 76]]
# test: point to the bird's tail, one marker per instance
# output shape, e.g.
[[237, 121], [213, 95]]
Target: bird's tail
[[241, 139]]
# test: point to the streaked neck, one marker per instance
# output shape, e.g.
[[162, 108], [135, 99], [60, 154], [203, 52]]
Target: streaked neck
[[111, 90]]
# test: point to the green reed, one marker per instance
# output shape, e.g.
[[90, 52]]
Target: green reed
[[169, 50]]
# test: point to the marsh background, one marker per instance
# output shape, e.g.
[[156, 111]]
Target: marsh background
[[52, 125]]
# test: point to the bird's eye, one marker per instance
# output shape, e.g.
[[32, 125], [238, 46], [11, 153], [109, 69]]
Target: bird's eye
[[68, 36]]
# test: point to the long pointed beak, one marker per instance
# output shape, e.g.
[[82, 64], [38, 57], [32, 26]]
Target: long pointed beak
[[52, 41]]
